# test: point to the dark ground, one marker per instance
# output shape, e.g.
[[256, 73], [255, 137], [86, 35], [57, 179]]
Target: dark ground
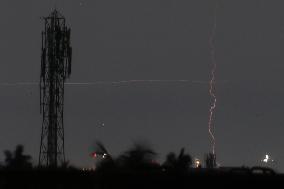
[[219, 178]]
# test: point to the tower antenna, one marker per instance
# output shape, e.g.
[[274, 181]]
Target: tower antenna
[[55, 69]]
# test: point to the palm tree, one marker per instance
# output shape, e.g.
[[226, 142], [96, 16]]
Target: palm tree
[[182, 162], [139, 156], [106, 162]]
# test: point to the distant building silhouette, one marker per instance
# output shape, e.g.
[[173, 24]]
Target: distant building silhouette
[[210, 160]]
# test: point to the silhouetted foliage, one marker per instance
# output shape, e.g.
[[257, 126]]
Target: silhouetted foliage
[[107, 162], [101, 149], [139, 156], [210, 160], [67, 166], [181, 162], [17, 160], [135, 168]]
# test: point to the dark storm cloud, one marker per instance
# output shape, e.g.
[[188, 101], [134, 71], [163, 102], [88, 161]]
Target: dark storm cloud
[[151, 39]]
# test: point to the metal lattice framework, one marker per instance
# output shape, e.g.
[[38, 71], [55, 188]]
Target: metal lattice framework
[[55, 68]]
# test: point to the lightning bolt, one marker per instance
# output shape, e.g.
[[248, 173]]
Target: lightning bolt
[[212, 79]]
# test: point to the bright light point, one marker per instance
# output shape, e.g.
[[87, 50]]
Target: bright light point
[[267, 159], [197, 163], [101, 124], [104, 155], [94, 155]]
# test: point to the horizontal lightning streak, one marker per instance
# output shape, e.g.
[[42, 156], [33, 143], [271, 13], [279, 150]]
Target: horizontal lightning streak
[[112, 82]]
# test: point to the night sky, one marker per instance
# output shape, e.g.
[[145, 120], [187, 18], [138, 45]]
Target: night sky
[[116, 40]]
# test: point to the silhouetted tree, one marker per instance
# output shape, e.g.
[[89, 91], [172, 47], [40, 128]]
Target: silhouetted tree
[[106, 163], [16, 159], [182, 162], [66, 165], [139, 156], [210, 160]]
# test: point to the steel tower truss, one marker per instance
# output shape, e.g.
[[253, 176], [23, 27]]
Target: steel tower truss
[[55, 69]]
